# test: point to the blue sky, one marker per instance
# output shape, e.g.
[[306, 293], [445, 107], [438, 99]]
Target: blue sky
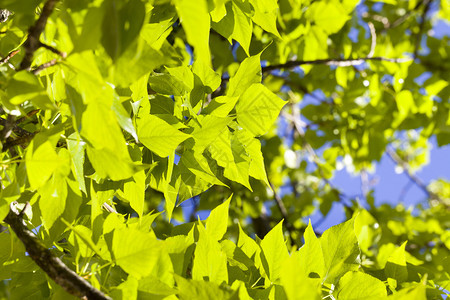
[[390, 185]]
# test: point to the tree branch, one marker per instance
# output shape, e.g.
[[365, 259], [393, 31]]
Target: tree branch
[[421, 27], [339, 62], [403, 18], [53, 266], [34, 32], [44, 66], [5, 59], [416, 180]]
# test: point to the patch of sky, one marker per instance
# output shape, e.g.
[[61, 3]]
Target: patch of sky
[[377, 6], [441, 29], [361, 8], [234, 50], [190, 52], [353, 34], [299, 71], [423, 91], [424, 50], [363, 66], [285, 89], [387, 78]]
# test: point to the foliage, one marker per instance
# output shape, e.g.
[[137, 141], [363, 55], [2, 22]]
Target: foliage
[[121, 112]]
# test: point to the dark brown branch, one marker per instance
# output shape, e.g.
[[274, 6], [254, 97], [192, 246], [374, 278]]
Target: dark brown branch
[[34, 32], [53, 266], [29, 115], [339, 62], [5, 59], [52, 49]]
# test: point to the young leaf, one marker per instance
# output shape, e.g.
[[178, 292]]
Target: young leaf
[[274, 252], [136, 252], [210, 262], [217, 222], [340, 251], [358, 285], [159, 136], [258, 108]]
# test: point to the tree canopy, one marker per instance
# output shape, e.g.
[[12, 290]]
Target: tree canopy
[[121, 120]]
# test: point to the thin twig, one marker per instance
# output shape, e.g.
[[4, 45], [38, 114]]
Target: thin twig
[[383, 20], [29, 115], [339, 62], [416, 180], [403, 18], [52, 49], [5, 59], [44, 66], [421, 27], [70, 281], [373, 44], [34, 32], [284, 213], [298, 124]]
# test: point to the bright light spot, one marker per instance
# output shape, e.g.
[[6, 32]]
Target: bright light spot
[[398, 170], [335, 131], [366, 83], [290, 158], [401, 80], [348, 160], [376, 226]]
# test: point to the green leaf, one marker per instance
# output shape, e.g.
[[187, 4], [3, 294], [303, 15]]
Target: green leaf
[[158, 136], [199, 289], [249, 72], [184, 75], [310, 255], [236, 24], [167, 84], [257, 109], [77, 149], [396, 265], [106, 146], [134, 191], [53, 200], [41, 159], [217, 222], [253, 148], [274, 252], [210, 262], [136, 252], [196, 23], [208, 77], [25, 86], [205, 129], [340, 250], [122, 23], [358, 285], [330, 15], [221, 106], [232, 157], [296, 284], [266, 15]]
